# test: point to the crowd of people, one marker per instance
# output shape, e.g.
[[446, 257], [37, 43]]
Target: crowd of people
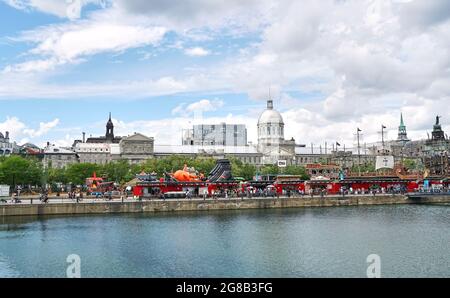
[[77, 195]]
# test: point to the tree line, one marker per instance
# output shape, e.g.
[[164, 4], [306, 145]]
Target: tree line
[[16, 170]]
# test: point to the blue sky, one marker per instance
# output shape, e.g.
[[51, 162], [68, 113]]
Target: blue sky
[[159, 67]]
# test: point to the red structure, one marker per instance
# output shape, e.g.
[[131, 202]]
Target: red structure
[[220, 181]]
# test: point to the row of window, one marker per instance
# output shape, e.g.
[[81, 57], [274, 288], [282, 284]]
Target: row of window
[[250, 159], [275, 130], [94, 150]]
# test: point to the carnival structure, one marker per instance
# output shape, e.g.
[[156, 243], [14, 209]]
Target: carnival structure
[[220, 183]]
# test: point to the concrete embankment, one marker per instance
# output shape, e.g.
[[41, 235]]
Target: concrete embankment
[[201, 205]]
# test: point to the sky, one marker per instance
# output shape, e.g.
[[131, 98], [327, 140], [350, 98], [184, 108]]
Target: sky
[[160, 66]]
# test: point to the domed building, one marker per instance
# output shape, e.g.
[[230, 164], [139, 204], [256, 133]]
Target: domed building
[[6, 147], [271, 142]]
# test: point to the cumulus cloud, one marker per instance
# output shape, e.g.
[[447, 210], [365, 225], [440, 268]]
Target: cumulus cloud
[[64, 9], [364, 60], [20, 131], [198, 107], [13, 125], [71, 42], [196, 52], [44, 127], [27, 87], [189, 14]]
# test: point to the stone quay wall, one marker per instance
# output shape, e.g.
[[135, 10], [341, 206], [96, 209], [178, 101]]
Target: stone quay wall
[[173, 205]]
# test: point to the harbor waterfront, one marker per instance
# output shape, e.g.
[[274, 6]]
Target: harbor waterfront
[[410, 239], [93, 206]]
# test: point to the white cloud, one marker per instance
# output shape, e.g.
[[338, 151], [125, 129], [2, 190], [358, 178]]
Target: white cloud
[[184, 15], [71, 42], [199, 107], [196, 52], [13, 125], [18, 130], [27, 87], [44, 128], [364, 60], [62, 8]]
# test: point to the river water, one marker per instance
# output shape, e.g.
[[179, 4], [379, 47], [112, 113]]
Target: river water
[[411, 240]]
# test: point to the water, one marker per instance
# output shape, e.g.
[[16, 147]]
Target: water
[[412, 241]]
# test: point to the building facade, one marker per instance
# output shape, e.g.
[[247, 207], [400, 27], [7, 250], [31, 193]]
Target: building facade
[[6, 147], [436, 153], [135, 148], [58, 157], [215, 135], [98, 153]]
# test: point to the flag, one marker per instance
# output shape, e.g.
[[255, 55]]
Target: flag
[[359, 129], [337, 144], [383, 126]]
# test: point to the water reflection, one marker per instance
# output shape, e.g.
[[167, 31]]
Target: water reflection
[[324, 242]]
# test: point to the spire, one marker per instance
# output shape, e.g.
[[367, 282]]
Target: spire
[[402, 135], [109, 129], [109, 123], [437, 133]]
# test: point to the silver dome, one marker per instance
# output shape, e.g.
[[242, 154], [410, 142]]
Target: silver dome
[[270, 115]]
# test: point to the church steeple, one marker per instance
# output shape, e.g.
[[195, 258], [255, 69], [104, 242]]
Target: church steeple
[[109, 129], [402, 135], [438, 133]]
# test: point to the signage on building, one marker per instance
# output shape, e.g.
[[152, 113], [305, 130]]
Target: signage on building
[[282, 163], [384, 162]]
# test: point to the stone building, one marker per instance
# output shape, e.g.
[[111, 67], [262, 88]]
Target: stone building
[[135, 148], [436, 153], [58, 157], [6, 147], [98, 153]]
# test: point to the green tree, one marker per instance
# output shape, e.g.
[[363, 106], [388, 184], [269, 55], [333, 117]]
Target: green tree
[[134, 169], [239, 169], [35, 172], [410, 164], [55, 175], [270, 170], [16, 170], [116, 171], [78, 172], [296, 170]]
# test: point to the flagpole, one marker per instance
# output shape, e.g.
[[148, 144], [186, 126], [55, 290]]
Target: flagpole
[[359, 153]]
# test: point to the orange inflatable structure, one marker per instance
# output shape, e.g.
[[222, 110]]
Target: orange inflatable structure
[[187, 175]]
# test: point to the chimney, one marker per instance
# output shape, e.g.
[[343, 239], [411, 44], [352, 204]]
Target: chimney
[[7, 135], [84, 137], [270, 104]]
